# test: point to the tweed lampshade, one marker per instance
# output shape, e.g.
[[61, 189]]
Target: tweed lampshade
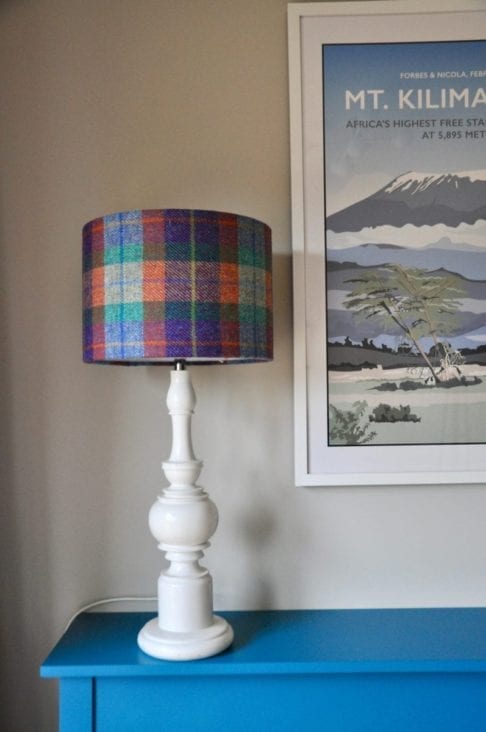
[[160, 285]]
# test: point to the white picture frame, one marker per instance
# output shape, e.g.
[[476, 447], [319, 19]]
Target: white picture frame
[[312, 26]]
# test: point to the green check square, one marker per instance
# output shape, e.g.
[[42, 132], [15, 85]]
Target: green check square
[[126, 253], [121, 312]]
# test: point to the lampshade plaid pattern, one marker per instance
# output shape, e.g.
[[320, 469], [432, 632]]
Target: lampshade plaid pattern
[[160, 285]]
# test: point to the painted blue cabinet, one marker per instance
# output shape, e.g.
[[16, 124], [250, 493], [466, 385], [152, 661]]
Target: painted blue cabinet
[[408, 670]]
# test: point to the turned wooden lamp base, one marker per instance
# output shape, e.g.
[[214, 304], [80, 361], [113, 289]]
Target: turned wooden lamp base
[[182, 520]]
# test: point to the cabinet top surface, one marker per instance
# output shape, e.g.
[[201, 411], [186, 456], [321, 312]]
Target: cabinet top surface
[[286, 641]]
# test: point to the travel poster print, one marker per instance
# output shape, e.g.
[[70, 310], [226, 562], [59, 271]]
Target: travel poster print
[[405, 242]]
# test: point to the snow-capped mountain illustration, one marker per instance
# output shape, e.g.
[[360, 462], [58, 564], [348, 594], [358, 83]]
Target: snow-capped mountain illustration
[[418, 199]]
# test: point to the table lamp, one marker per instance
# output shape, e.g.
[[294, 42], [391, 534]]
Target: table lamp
[[179, 286]]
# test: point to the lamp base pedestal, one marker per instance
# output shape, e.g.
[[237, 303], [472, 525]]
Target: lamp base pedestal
[[182, 520], [185, 646]]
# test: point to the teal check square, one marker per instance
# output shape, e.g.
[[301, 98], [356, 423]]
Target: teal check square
[[118, 312]]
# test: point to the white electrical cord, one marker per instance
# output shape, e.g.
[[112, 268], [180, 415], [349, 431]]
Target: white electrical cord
[[106, 601]]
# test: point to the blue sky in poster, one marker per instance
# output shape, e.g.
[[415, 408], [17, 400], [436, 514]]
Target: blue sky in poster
[[411, 106]]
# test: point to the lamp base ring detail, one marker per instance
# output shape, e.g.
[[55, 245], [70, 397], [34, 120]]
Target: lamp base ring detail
[[189, 646]]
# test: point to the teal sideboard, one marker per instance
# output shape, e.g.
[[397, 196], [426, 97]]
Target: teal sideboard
[[408, 670]]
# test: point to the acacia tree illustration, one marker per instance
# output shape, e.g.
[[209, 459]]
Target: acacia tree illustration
[[419, 303]]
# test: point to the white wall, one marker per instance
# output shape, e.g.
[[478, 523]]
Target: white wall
[[116, 104]]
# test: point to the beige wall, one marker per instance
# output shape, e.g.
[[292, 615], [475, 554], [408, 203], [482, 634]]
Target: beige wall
[[115, 104]]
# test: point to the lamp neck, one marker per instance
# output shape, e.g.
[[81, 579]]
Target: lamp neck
[[181, 402], [179, 364]]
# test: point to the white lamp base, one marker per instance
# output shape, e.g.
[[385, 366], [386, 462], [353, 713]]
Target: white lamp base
[[185, 646], [182, 520]]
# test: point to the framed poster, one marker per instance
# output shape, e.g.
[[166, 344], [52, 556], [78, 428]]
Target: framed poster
[[388, 138]]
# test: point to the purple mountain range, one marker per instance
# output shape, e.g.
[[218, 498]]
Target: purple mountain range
[[421, 199]]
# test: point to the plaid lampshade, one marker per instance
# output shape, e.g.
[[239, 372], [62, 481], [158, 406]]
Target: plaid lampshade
[[160, 285]]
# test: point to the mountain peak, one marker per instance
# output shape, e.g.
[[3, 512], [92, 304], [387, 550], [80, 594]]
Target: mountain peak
[[420, 199], [415, 182]]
